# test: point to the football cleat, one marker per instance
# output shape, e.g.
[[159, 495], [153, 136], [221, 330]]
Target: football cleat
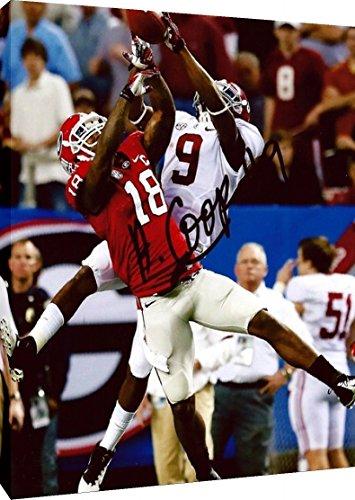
[[8, 336], [345, 390], [95, 472]]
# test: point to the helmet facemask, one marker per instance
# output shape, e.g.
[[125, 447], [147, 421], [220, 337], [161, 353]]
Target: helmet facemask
[[83, 131], [231, 97], [77, 142]]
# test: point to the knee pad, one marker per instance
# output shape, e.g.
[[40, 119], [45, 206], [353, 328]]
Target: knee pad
[[177, 387]]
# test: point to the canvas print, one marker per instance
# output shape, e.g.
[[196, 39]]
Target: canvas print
[[177, 290]]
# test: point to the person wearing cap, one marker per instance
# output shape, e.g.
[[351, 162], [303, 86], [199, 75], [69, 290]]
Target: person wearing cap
[[292, 80]]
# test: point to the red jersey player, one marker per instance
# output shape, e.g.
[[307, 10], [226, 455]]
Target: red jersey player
[[116, 189]]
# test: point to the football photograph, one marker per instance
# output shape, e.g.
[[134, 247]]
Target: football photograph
[[177, 250]]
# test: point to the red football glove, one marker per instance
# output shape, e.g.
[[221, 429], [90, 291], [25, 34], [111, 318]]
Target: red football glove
[[172, 38], [138, 84], [141, 56]]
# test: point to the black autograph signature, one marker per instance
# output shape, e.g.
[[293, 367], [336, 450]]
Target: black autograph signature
[[192, 225]]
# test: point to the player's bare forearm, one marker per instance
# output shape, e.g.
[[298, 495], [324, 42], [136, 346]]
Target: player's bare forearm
[[74, 292], [205, 86], [158, 131], [93, 194]]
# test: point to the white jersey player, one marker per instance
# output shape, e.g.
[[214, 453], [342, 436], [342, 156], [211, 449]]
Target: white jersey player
[[327, 304], [196, 170]]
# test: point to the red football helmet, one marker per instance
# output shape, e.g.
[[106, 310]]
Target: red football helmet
[[233, 97], [76, 140]]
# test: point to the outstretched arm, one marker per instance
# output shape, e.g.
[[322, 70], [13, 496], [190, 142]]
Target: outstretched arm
[[230, 140], [158, 130], [93, 193], [158, 120], [97, 187]]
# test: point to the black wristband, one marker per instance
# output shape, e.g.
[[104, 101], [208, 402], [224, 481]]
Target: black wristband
[[179, 46], [126, 93]]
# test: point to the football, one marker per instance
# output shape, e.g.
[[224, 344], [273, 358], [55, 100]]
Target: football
[[147, 24]]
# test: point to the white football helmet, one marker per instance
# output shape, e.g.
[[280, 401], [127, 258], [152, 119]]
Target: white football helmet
[[75, 142]]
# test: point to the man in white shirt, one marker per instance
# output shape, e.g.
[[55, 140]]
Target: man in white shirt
[[38, 107], [246, 385]]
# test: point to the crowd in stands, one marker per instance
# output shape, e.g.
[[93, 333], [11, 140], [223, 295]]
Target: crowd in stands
[[299, 78]]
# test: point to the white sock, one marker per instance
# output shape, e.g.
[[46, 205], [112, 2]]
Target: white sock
[[119, 422], [50, 321]]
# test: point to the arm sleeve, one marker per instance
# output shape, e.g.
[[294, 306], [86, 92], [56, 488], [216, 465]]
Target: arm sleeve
[[253, 140]]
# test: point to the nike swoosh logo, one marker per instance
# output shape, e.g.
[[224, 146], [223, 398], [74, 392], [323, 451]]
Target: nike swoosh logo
[[147, 304]]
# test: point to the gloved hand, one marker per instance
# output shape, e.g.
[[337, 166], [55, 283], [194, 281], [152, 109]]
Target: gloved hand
[[138, 84], [173, 40], [141, 56]]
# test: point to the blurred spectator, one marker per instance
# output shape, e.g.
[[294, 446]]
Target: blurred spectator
[[246, 385], [205, 40], [230, 34], [339, 89], [84, 101], [10, 160], [4, 26], [328, 41], [292, 81], [85, 39], [247, 67], [11, 406], [265, 184], [61, 57], [108, 55], [346, 195], [345, 130], [33, 457], [39, 107], [65, 16]]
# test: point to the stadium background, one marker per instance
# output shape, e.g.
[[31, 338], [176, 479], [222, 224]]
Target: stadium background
[[99, 337]]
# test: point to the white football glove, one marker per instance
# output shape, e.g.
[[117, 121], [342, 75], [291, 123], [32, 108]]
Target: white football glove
[[141, 56], [138, 84]]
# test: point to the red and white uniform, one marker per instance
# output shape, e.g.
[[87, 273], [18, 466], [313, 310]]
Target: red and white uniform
[[317, 417], [137, 213], [194, 166]]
